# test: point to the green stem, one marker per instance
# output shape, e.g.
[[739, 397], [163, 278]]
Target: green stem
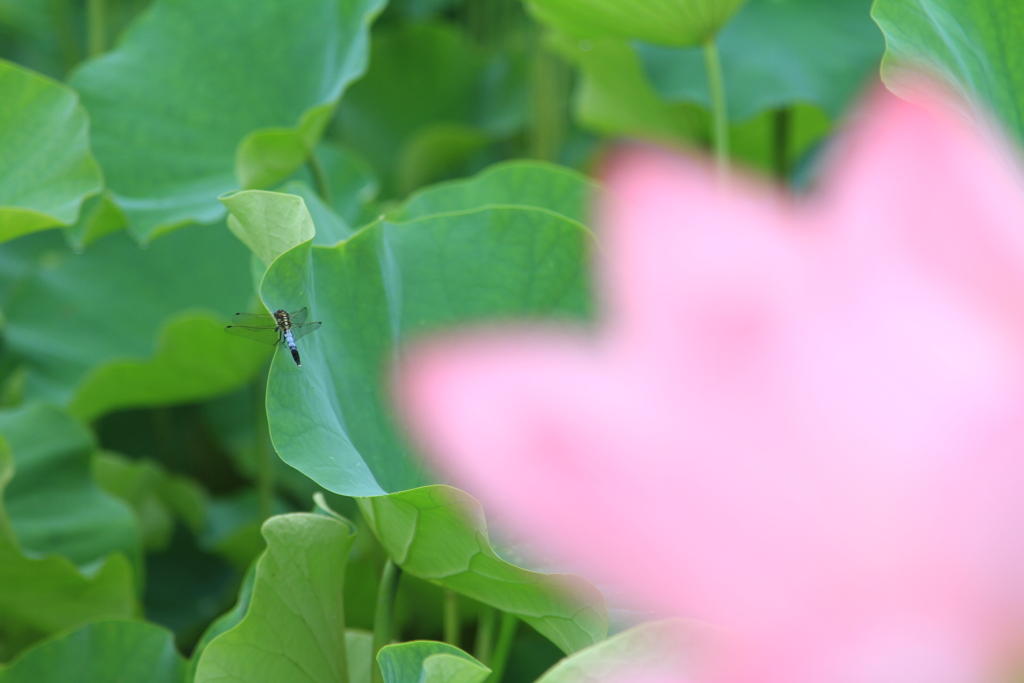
[[484, 644], [719, 112], [69, 49], [320, 182], [265, 455], [384, 617], [340, 646], [549, 92], [451, 617], [506, 635], [780, 142], [97, 23]]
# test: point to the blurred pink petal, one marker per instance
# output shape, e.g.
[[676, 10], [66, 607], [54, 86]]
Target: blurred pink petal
[[802, 422]]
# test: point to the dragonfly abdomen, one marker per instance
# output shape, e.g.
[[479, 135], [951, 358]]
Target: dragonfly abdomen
[[289, 339]]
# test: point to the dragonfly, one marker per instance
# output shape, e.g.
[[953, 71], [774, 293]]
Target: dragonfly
[[279, 327]]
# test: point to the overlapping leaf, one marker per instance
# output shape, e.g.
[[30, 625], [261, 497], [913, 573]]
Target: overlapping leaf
[[512, 183], [44, 595], [156, 497], [658, 649], [430, 102], [975, 46], [294, 628], [777, 53], [665, 22], [201, 98], [55, 506], [478, 250], [102, 652], [427, 661], [438, 533], [330, 418], [118, 327], [615, 97], [420, 75], [46, 168]]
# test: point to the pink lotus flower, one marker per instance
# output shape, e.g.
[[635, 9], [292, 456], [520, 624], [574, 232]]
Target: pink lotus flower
[[802, 421]]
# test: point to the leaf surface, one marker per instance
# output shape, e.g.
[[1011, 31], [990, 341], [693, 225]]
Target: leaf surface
[[665, 22], [428, 661], [55, 506], [42, 596], [118, 326], [294, 628], [201, 98], [102, 652], [976, 46], [657, 648], [438, 533], [46, 168], [777, 53]]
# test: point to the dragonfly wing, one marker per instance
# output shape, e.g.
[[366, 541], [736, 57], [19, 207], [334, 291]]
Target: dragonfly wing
[[298, 317], [300, 331], [266, 335], [254, 320]]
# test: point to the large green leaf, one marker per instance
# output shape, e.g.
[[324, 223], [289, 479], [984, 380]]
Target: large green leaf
[[102, 652], [294, 628], [55, 506], [438, 533], [118, 326], [427, 661], [358, 643], [776, 53], [465, 255], [975, 45], [329, 418], [200, 98], [46, 169], [659, 649], [42, 596], [512, 183], [665, 22]]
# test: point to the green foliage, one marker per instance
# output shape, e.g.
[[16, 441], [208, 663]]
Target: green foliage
[[100, 652], [181, 85], [614, 96], [425, 661], [974, 46], [657, 647], [392, 279], [269, 223], [54, 505], [157, 498], [439, 533], [420, 85], [775, 54], [43, 595], [389, 168], [46, 169], [294, 627], [147, 323], [666, 22]]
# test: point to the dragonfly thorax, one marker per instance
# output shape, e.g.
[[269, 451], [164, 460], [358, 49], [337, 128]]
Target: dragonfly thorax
[[283, 320]]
